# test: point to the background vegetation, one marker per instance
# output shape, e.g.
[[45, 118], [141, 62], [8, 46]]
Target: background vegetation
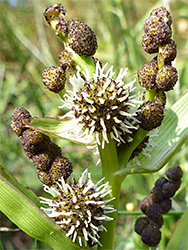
[[28, 46]]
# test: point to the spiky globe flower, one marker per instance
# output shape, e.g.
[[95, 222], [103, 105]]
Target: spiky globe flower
[[166, 78], [151, 115], [79, 208], [147, 74], [101, 106], [81, 38], [54, 78]]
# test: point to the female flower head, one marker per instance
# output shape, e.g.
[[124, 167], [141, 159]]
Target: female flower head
[[79, 208], [101, 106]]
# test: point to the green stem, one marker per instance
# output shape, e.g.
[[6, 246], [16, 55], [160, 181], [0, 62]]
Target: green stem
[[136, 213], [82, 61], [61, 93], [126, 154], [150, 94], [110, 164]]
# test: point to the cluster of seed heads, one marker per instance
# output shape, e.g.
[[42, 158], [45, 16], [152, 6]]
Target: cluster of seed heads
[[45, 154], [158, 76], [78, 35], [156, 204]]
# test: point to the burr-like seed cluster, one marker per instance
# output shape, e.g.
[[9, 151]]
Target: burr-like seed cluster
[[156, 204], [151, 115], [78, 35], [158, 75], [81, 38], [157, 30], [45, 154], [54, 78]]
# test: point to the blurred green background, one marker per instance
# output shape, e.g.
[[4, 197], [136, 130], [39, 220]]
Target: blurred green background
[[28, 46]]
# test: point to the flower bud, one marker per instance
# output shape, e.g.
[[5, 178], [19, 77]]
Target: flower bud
[[151, 235], [54, 78], [140, 224], [151, 115], [20, 117], [44, 177], [82, 39], [166, 78], [147, 74], [60, 167], [175, 173]]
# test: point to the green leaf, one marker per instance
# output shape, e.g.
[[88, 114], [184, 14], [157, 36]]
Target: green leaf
[[58, 128], [179, 239], [26, 191], [172, 134], [29, 218]]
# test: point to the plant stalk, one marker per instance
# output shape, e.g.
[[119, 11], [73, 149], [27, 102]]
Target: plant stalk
[[110, 164]]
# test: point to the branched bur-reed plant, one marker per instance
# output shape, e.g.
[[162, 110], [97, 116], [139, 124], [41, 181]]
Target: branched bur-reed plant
[[105, 112]]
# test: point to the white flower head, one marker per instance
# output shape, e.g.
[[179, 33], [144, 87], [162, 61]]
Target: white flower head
[[79, 208], [101, 106]]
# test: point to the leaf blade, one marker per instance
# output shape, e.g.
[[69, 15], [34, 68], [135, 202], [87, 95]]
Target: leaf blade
[[55, 127], [173, 133], [180, 235]]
